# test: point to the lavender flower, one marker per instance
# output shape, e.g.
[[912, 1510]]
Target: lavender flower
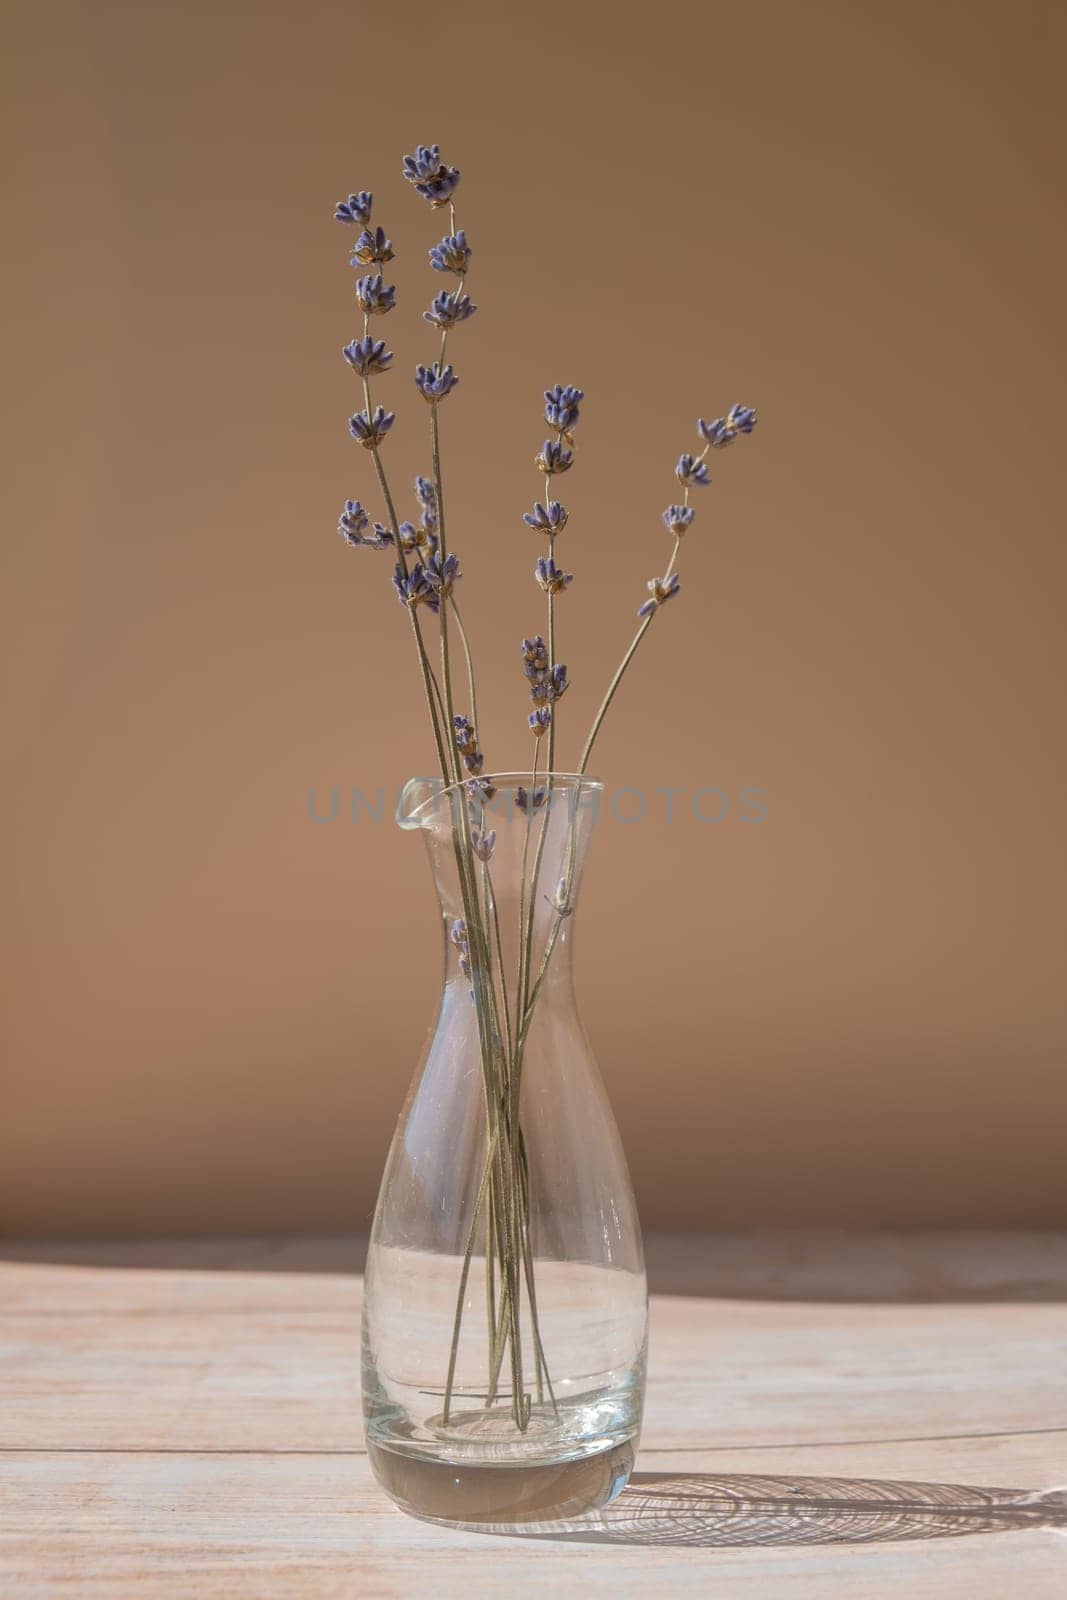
[[540, 719], [458, 936], [353, 526], [412, 538], [453, 254], [552, 579], [677, 519], [353, 522], [435, 382], [374, 296], [371, 430], [466, 738], [561, 406], [480, 791], [528, 800], [550, 519], [423, 164], [426, 494], [724, 430], [661, 590], [482, 843], [443, 574], [534, 656], [448, 308], [691, 470], [547, 687], [554, 457], [368, 356], [371, 247], [355, 209], [416, 589], [431, 178]]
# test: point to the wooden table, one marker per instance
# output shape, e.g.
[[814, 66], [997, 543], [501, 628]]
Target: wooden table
[[827, 1416]]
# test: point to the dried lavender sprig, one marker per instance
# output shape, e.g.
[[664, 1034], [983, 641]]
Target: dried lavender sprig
[[357, 209], [562, 412], [375, 299], [436, 183], [691, 471]]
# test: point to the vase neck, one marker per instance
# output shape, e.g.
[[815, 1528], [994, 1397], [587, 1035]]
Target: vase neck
[[507, 855]]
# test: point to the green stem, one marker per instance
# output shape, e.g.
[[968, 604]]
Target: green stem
[[464, 1275]]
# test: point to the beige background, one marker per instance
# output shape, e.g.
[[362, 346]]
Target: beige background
[[847, 214]]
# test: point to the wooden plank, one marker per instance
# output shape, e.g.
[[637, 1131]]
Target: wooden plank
[[259, 1361], [134, 1526], [184, 1420]]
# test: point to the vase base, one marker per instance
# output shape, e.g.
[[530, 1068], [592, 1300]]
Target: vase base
[[468, 1495]]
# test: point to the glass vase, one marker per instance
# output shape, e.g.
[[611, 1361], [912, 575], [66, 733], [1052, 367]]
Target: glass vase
[[505, 1306]]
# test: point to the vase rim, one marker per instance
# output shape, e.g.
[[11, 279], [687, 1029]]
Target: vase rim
[[419, 793]]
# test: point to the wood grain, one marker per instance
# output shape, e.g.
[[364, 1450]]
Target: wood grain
[[184, 1420]]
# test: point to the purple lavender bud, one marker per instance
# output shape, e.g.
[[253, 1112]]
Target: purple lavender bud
[[368, 356], [724, 430], [550, 519], [561, 406], [448, 308], [442, 574], [371, 430], [661, 591], [530, 801], [374, 296], [467, 744], [457, 935], [383, 538], [415, 589], [453, 254], [440, 188], [534, 656], [431, 178], [693, 471], [426, 494], [371, 247], [551, 578], [355, 209], [423, 164], [539, 720], [554, 457], [677, 519], [353, 523], [482, 843], [435, 382], [560, 682]]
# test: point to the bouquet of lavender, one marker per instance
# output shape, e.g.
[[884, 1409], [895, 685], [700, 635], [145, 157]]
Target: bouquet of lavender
[[425, 574]]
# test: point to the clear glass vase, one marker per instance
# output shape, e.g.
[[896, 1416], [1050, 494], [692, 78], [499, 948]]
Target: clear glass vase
[[505, 1307]]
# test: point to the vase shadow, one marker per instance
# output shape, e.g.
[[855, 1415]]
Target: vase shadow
[[719, 1510]]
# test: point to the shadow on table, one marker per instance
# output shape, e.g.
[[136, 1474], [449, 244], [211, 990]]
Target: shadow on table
[[711, 1510]]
